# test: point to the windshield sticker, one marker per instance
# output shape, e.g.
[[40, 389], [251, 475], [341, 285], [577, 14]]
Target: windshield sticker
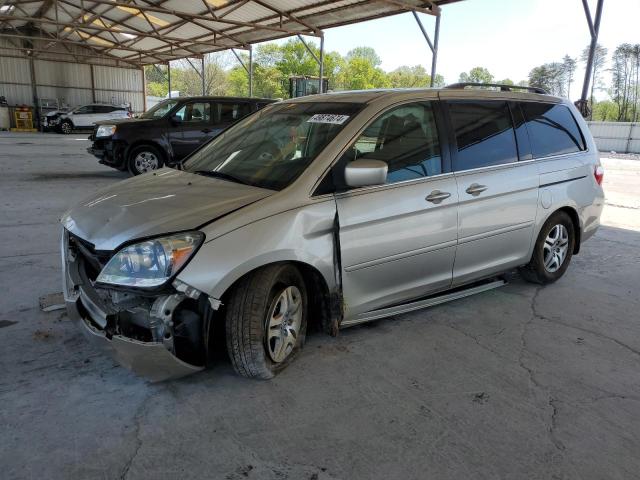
[[328, 118]]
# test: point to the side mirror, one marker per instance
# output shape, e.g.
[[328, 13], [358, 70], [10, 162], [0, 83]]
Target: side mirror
[[176, 120], [361, 173]]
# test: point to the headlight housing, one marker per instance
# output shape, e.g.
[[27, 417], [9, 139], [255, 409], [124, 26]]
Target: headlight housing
[[105, 131], [152, 262]]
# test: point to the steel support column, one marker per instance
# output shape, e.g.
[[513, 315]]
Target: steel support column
[[432, 45], [321, 86], [169, 77], [204, 88], [594, 29], [434, 60], [319, 60], [250, 71]]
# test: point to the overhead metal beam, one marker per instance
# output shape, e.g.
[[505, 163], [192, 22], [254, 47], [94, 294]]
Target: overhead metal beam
[[309, 49], [432, 8]]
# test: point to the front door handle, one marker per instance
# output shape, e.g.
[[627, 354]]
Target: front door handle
[[206, 130], [476, 189], [437, 196]]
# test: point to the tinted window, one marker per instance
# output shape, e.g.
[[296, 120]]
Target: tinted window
[[552, 129], [103, 109], [406, 138], [85, 110], [197, 112], [484, 134], [231, 112]]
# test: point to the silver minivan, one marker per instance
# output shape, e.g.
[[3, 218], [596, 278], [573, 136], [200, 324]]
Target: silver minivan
[[328, 211]]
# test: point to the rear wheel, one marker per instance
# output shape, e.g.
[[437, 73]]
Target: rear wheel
[[552, 251], [66, 127], [143, 159], [266, 321]]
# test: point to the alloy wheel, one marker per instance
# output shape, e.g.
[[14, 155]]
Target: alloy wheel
[[146, 162], [556, 246], [283, 323]]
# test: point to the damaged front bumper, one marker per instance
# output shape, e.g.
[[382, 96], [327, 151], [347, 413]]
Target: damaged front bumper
[[99, 320]]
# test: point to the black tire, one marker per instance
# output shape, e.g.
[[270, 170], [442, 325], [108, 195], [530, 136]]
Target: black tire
[[247, 315], [66, 127], [154, 155], [535, 271]]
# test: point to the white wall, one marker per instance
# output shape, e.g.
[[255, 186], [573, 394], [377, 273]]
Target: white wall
[[621, 137], [69, 83]]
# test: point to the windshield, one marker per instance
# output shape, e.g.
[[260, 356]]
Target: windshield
[[271, 148], [160, 109]]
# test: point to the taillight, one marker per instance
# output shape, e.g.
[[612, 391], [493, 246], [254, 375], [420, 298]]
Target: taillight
[[598, 174]]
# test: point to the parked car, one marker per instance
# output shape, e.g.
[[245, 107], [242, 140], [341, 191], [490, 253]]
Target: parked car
[[50, 121], [87, 116], [168, 132], [332, 210]]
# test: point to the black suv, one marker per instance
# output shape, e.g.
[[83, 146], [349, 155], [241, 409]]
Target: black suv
[[168, 132]]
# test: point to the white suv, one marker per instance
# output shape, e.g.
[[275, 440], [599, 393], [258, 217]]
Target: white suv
[[87, 115]]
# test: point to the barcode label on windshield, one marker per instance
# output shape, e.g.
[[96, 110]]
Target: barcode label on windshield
[[328, 118]]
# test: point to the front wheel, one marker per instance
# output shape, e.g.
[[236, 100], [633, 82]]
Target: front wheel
[[143, 159], [266, 321], [66, 127], [552, 251]]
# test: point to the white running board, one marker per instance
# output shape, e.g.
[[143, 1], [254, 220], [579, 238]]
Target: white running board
[[417, 305]]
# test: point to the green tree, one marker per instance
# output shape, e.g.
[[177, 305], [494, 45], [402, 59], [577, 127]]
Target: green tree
[[366, 53], [412, 77], [599, 61], [361, 74], [476, 75], [605, 111], [569, 65]]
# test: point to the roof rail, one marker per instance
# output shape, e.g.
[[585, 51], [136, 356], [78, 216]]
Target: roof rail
[[502, 87]]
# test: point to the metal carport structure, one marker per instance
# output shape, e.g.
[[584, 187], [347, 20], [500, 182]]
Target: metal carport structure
[[134, 33]]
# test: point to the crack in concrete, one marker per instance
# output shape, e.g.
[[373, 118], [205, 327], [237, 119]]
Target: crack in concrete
[[475, 339], [138, 441], [554, 423]]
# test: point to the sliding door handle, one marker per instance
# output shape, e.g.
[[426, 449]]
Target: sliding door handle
[[476, 189], [437, 196]]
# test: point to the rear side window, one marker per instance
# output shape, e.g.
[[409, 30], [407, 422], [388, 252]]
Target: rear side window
[[231, 112], [484, 134], [552, 129]]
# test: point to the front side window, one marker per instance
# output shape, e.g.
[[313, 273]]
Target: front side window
[[552, 129], [484, 134], [196, 112], [406, 138], [160, 109], [272, 147]]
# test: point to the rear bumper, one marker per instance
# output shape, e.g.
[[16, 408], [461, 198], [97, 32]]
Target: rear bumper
[[151, 360]]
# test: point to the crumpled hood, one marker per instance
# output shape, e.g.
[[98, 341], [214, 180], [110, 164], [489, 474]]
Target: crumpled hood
[[154, 204]]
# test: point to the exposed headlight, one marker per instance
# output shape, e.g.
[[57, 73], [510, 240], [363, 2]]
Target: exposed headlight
[[152, 262], [105, 130]]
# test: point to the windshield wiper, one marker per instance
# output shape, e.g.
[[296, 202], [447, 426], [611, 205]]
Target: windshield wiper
[[220, 175]]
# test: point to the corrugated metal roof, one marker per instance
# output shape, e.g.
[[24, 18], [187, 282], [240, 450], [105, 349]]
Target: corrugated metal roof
[[142, 32]]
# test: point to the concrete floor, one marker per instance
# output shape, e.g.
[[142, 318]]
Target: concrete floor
[[519, 382]]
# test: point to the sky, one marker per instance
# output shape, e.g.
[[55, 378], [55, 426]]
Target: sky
[[509, 37]]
